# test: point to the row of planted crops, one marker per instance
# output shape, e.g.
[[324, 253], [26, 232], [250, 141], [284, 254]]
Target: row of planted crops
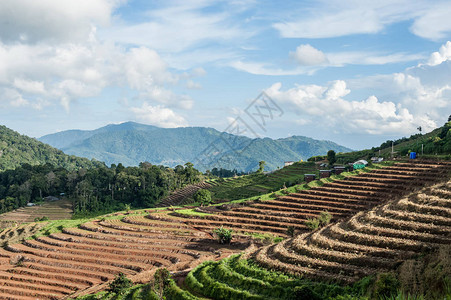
[[86, 258]]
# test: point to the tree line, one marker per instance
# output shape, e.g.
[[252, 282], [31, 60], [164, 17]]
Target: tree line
[[96, 190]]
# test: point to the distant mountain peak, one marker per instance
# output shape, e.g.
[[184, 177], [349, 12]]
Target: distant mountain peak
[[131, 143]]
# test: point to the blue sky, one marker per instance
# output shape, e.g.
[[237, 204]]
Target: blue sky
[[354, 72]]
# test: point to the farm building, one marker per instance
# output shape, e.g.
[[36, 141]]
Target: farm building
[[360, 164], [325, 173]]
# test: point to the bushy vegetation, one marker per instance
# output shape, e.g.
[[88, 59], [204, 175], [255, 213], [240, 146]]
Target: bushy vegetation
[[322, 220], [17, 149], [203, 197], [224, 235], [224, 173], [119, 284], [96, 190]]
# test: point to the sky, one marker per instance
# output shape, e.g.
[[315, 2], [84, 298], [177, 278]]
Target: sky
[[354, 72]]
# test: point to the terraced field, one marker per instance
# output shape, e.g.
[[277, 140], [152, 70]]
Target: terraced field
[[17, 233], [342, 198], [181, 196], [370, 242], [54, 210], [82, 260], [258, 184]]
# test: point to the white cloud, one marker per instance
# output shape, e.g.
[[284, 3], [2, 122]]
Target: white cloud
[[334, 18], [49, 20], [325, 106], [339, 59], [175, 28], [259, 68], [29, 86], [311, 60], [193, 85], [306, 55], [69, 71], [341, 18], [440, 56], [433, 22], [158, 116]]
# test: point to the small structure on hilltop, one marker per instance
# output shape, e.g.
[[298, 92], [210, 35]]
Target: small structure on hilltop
[[360, 164]]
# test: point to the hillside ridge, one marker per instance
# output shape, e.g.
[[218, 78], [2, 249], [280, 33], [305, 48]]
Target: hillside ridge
[[131, 143]]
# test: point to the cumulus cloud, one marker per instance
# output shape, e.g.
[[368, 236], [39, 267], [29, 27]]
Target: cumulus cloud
[[424, 91], [158, 116], [68, 71], [440, 56], [326, 106], [306, 55]]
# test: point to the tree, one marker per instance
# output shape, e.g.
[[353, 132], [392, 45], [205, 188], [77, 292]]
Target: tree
[[202, 196], [119, 284], [261, 166], [331, 157], [162, 278]]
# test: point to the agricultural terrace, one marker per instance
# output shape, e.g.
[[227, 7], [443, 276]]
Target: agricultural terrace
[[51, 210], [73, 260], [369, 243], [342, 198], [246, 186]]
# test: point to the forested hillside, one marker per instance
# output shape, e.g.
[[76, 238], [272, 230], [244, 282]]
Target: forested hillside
[[97, 190], [17, 149]]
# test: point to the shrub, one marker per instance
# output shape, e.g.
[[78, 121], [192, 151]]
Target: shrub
[[119, 284], [324, 218], [224, 235], [202, 196], [305, 292], [385, 286], [312, 224], [162, 278], [290, 230]]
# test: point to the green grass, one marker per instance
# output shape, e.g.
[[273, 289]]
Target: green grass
[[248, 186], [192, 212]]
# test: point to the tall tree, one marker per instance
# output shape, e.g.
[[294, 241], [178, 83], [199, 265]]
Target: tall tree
[[331, 157]]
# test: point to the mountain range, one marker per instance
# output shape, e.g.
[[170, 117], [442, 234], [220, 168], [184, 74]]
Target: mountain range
[[131, 143]]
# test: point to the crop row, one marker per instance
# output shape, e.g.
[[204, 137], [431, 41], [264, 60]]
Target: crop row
[[369, 242]]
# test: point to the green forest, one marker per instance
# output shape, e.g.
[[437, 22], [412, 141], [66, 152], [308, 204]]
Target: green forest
[[96, 190], [17, 149]]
